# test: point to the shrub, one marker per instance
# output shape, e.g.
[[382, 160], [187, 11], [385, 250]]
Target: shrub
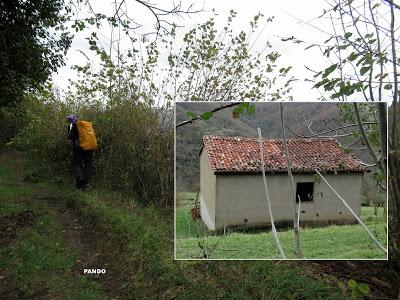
[[135, 152]]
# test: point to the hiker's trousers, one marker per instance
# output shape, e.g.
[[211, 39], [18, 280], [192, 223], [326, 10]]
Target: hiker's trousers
[[82, 164]]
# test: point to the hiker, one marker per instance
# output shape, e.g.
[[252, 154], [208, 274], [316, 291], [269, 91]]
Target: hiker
[[83, 140]]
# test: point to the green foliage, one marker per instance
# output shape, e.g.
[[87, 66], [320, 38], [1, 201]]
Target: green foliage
[[11, 120], [367, 114], [247, 107], [191, 114], [129, 99], [251, 110], [212, 65], [359, 54], [135, 152], [218, 65], [206, 115], [41, 251], [33, 42], [358, 289], [43, 136]]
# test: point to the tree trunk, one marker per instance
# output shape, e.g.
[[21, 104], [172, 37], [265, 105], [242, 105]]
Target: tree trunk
[[293, 192], [394, 176], [394, 206], [382, 120]]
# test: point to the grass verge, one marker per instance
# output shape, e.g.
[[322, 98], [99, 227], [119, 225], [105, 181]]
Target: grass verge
[[331, 242]]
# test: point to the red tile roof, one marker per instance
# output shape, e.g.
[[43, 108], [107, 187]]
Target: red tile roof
[[242, 155]]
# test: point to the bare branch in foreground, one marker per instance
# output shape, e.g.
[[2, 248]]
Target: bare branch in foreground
[[366, 140], [298, 212], [278, 243], [295, 217], [318, 134], [372, 237]]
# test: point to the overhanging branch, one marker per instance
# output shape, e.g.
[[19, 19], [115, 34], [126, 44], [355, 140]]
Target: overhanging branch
[[366, 140], [198, 117], [318, 134]]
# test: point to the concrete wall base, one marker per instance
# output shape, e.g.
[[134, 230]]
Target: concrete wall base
[[287, 225]]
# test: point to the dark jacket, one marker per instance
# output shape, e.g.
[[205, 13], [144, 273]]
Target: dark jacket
[[73, 134]]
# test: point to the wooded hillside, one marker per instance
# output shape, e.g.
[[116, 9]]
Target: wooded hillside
[[323, 116]]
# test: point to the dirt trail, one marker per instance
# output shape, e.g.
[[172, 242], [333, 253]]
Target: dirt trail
[[81, 236], [76, 232], [12, 223]]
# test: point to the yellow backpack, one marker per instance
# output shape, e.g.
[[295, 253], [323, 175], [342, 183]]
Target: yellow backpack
[[87, 137]]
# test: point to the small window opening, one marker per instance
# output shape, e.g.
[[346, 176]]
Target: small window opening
[[305, 190]]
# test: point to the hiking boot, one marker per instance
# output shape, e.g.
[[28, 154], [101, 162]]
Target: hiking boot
[[87, 187], [79, 184]]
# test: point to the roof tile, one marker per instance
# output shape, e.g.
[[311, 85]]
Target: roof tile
[[242, 155]]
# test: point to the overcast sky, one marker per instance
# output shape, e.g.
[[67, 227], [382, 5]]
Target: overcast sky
[[286, 23]]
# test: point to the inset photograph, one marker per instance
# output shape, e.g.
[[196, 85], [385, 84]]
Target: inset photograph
[[280, 181]]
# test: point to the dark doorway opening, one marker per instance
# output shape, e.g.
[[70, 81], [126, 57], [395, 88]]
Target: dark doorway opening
[[305, 190]]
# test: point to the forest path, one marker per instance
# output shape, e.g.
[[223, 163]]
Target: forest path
[[41, 237]]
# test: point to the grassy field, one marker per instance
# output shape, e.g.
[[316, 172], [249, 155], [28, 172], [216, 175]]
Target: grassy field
[[331, 242], [49, 233]]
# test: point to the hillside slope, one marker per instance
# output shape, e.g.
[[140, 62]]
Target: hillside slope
[[188, 138], [322, 116]]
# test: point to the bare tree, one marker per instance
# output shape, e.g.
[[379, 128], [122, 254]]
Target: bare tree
[[122, 14], [271, 217], [292, 189]]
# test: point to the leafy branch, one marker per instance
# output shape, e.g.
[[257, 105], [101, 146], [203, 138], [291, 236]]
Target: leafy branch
[[240, 108]]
